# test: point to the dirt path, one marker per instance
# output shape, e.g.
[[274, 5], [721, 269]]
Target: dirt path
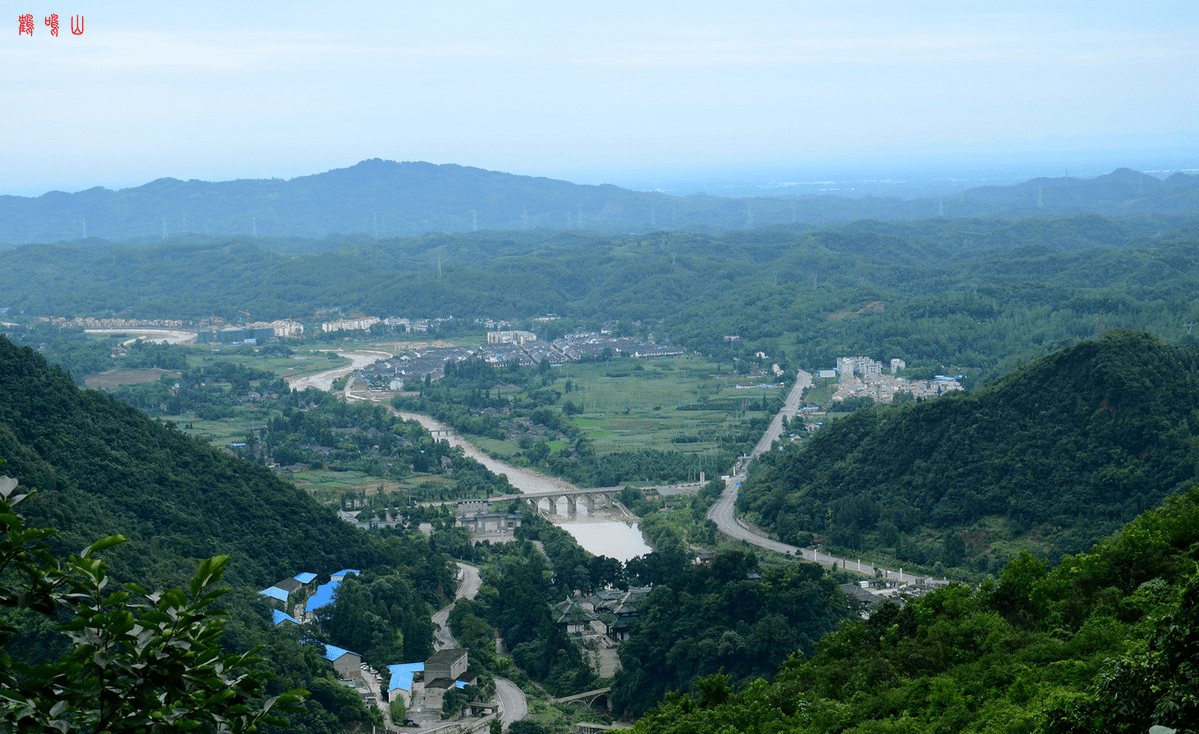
[[158, 336]]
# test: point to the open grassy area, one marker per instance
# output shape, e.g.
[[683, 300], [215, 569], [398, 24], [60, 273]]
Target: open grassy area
[[306, 360], [680, 403], [115, 378], [223, 432]]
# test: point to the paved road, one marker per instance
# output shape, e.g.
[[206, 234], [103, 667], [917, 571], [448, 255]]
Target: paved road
[[467, 589], [790, 407], [723, 515], [513, 704]]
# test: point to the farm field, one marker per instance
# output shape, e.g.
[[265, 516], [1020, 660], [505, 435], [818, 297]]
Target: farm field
[[681, 403]]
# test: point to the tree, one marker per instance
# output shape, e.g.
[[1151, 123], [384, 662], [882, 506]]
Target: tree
[[136, 661]]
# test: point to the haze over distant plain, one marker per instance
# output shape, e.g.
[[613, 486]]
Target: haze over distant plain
[[642, 94]]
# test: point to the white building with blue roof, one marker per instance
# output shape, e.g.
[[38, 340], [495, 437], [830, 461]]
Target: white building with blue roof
[[401, 681], [347, 664]]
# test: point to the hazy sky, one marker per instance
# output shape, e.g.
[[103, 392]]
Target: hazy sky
[[584, 91]]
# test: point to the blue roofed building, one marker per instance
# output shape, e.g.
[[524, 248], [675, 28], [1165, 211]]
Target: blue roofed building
[[339, 575], [274, 592], [323, 596], [279, 617], [305, 578], [347, 664], [401, 681]]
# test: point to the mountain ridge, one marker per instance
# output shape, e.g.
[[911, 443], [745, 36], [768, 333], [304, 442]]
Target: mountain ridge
[[383, 198]]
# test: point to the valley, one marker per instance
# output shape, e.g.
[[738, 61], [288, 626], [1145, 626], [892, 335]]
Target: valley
[[756, 490]]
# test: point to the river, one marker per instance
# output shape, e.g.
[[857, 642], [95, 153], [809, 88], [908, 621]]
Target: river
[[597, 534], [620, 540]]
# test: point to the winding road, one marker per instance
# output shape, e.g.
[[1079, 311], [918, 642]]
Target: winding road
[[722, 513], [514, 706]]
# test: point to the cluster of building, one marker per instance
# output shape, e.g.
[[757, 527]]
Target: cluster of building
[[411, 366], [503, 347], [261, 331], [610, 614], [864, 377], [252, 333], [485, 523], [393, 323], [90, 323], [421, 685]]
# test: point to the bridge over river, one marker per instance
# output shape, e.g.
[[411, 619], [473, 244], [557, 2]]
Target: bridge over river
[[568, 500]]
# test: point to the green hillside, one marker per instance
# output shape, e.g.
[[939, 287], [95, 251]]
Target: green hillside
[[102, 467], [1061, 452], [1106, 642]]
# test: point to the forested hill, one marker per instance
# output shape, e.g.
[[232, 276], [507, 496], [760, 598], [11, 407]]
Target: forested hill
[[380, 198], [1106, 642], [1058, 453], [102, 467]]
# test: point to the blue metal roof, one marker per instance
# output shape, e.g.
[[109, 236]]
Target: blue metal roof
[[279, 617], [332, 653], [460, 683], [305, 578], [346, 572], [323, 595], [401, 675], [275, 592]]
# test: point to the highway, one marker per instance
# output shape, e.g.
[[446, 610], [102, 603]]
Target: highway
[[722, 513]]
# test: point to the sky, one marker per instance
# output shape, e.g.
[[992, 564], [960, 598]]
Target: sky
[[622, 92]]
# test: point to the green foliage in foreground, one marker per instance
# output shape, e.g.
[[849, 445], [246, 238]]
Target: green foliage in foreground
[[136, 661], [1106, 642]]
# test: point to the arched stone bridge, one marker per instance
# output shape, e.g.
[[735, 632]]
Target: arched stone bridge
[[570, 500]]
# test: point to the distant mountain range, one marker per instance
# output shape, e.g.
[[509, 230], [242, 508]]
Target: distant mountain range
[[386, 199]]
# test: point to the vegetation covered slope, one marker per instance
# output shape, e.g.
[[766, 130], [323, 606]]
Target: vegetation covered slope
[[1072, 445], [101, 467], [729, 616], [1106, 642]]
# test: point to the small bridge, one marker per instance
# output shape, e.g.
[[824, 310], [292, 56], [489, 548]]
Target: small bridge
[[588, 698]]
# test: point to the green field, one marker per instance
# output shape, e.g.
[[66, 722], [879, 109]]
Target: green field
[[307, 360], [681, 403]]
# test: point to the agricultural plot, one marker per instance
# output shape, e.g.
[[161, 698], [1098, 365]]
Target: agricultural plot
[[682, 404]]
